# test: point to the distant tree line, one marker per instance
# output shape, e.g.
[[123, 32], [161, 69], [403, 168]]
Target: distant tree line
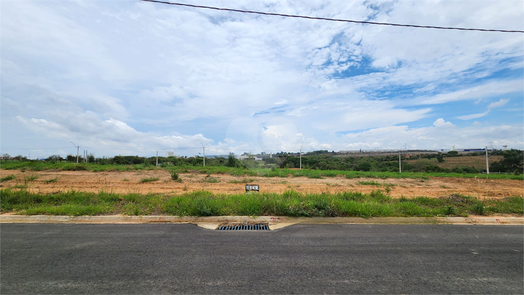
[[512, 161]]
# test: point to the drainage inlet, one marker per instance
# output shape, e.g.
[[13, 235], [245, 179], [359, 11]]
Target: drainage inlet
[[258, 226]]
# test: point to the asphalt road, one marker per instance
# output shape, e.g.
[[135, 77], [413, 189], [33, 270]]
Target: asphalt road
[[183, 258]]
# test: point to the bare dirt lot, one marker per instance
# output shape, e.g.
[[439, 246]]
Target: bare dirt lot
[[130, 182]]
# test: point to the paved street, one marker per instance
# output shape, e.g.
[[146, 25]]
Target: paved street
[[183, 258]]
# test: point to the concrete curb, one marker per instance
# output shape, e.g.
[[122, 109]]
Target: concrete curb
[[274, 222]]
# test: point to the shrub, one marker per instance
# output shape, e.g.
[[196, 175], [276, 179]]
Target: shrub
[[174, 175]]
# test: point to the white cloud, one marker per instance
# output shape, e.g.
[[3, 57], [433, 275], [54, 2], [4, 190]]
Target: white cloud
[[441, 122], [440, 136], [491, 106], [472, 93], [473, 116], [498, 104], [142, 76]]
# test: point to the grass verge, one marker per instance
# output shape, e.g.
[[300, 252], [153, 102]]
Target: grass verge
[[320, 174], [266, 172], [290, 203]]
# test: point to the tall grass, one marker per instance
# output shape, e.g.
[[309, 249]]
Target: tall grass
[[319, 174], [235, 171], [66, 166], [289, 203]]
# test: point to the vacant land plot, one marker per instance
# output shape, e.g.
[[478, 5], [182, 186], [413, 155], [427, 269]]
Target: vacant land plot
[[159, 181]]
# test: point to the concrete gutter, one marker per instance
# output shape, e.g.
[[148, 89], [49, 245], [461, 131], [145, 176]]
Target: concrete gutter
[[274, 222]]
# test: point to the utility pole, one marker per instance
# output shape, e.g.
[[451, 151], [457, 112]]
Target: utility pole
[[204, 153], [487, 161], [157, 158], [77, 151], [301, 157], [399, 163]]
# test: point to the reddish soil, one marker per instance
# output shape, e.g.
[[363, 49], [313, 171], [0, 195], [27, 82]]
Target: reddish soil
[[129, 182]]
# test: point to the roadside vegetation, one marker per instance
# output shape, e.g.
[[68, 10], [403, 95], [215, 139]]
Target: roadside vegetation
[[290, 203], [318, 165]]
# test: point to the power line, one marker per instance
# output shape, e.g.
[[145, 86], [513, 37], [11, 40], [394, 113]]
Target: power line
[[333, 19]]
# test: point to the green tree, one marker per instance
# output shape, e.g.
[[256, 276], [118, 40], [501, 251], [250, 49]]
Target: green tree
[[513, 161], [453, 154], [232, 161]]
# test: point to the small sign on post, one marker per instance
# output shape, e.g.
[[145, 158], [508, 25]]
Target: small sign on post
[[251, 188]]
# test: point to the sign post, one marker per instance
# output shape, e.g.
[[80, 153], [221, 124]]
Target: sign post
[[252, 188]]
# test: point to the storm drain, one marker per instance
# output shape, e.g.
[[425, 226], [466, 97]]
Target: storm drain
[[259, 226]]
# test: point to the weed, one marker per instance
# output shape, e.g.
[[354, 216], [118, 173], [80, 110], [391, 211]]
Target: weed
[[478, 208], [125, 179], [244, 180], [7, 178], [369, 183], [51, 180], [209, 179], [20, 186], [148, 179], [31, 178], [450, 210], [174, 175]]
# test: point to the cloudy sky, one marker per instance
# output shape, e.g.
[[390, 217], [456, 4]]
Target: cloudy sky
[[132, 78]]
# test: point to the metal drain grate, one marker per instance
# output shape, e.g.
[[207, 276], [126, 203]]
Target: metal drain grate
[[259, 226]]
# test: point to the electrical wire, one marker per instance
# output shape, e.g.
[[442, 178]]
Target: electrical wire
[[334, 19]]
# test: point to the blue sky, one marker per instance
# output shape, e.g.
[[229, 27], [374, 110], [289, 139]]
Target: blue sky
[[128, 77]]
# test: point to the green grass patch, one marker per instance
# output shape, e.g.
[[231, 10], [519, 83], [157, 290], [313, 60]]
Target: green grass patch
[[66, 166], [319, 174], [209, 179], [243, 180], [7, 178], [148, 179], [31, 178], [236, 171], [51, 180], [370, 183], [289, 203], [20, 186]]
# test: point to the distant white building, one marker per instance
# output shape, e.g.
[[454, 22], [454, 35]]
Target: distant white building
[[243, 157], [170, 154]]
